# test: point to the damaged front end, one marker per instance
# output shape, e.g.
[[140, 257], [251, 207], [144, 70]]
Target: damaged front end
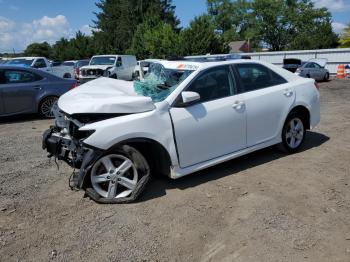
[[64, 141]]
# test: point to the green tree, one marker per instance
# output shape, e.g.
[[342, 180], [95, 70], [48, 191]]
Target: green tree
[[82, 46], [230, 17], [38, 49], [117, 21], [158, 41], [345, 37], [292, 24], [61, 50], [277, 25], [200, 38]]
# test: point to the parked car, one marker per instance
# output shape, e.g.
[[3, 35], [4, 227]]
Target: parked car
[[41, 63], [27, 90], [184, 117], [56, 63], [142, 67], [79, 64], [314, 68], [113, 66]]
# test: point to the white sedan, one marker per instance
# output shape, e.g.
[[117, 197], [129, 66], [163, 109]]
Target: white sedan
[[183, 117]]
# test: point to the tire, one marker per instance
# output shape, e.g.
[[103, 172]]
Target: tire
[[45, 106], [292, 139], [308, 76], [326, 77], [114, 76], [118, 176]]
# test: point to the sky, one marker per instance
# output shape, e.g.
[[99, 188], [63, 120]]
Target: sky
[[26, 21]]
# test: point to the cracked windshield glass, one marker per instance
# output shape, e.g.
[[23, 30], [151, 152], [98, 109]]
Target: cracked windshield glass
[[159, 82]]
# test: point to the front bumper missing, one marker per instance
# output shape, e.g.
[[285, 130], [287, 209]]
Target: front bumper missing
[[65, 148]]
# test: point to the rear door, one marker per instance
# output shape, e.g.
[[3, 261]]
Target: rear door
[[214, 126], [268, 99], [19, 91]]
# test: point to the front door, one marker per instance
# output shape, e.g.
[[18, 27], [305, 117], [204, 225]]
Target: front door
[[216, 125], [18, 92]]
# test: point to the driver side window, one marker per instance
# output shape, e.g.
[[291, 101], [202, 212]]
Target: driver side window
[[213, 84]]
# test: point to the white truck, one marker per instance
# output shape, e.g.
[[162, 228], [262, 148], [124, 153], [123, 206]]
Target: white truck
[[113, 66], [42, 63]]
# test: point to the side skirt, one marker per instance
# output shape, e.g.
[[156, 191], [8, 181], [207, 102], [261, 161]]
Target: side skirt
[[177, 172]]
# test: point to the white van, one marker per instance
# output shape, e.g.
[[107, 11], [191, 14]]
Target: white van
[[113, 66]]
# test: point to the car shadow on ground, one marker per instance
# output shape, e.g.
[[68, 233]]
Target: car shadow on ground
[[19, 118], [158, 186]]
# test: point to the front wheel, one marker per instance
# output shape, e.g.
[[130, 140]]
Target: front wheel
[[119, 176], [293, 133], [46, 105]]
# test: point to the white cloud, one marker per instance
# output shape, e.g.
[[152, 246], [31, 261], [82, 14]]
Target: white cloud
[[338, 27], [19, 35], [333, 5], [86, 30]]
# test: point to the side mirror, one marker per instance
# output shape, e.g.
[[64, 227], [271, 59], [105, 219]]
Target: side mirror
[[189, 98]]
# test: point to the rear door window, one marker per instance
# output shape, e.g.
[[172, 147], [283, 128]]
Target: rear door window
[[256, 76]]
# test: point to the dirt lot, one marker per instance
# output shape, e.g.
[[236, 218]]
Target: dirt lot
[[266, 206]]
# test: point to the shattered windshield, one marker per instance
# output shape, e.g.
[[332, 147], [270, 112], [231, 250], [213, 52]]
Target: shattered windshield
[[159, 81]]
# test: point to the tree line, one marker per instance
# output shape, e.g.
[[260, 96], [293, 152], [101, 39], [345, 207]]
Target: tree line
[[150, 28]]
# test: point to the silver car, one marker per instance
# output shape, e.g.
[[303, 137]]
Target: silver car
[[27, 90], [314, 68]]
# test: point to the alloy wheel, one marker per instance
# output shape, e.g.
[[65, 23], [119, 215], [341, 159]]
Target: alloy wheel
[[294, 132], [114, 176], [47, 105]]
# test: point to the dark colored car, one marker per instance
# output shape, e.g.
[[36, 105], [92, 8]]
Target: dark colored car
[[28, 90], [292, 64]]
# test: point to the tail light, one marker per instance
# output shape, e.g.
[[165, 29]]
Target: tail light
[[317, 85], [74, 85], [77, 71]]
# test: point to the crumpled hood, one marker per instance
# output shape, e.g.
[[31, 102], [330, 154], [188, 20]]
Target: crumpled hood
[[104, 95], [103, 67]]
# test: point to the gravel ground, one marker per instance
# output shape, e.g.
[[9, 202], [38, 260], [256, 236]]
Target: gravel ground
[[266, 206]]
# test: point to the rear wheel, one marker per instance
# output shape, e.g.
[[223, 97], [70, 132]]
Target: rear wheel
[[293, 133], [45, 107], [119, 176], [326, 77]]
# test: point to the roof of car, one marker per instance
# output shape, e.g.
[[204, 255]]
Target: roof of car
[[27, 57], [190, 65]]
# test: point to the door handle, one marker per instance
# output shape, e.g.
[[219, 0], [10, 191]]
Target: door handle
[[238, 105], [37, 87], [288, 93]]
